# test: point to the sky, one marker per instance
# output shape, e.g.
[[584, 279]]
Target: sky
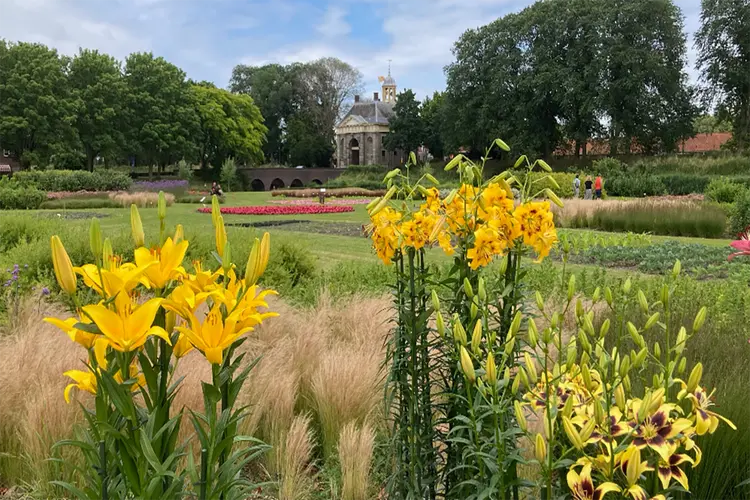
[[207, 38]]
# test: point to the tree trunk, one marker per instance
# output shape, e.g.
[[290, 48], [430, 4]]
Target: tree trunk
[[151, 170], [578, 148], [90, 157]]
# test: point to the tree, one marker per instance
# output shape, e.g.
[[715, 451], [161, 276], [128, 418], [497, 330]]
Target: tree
[[99, 90], [406, 128], [230, 125], [723, 44], [162, 117], [36, 111], [709, 124], [432, 113]]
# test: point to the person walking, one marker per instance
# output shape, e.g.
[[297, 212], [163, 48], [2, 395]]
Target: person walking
[[577, 187], [598, 186], [587, 185]]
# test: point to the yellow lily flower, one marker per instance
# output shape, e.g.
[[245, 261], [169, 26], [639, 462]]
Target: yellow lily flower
[[202, 281], [706, 421], [129, 327], [169, 258], [82, 337], [184, 301], [182, 346], [257, 261], [114, 278], [582, 486], [214, 335], [66, 278], [84, 381]]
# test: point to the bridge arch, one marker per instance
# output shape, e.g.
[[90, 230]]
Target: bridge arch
[[296, 183], [257, 185], [317, 182], [277, 184]]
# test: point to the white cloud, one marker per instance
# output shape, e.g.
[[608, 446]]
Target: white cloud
[[334, 23]]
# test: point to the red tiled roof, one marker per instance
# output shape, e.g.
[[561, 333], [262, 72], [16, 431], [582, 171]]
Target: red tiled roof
[[702, 143]]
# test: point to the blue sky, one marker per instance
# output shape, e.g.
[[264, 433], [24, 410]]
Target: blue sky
[[208, 37]]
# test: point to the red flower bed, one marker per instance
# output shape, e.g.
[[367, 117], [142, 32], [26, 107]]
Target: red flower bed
[[282, 210]]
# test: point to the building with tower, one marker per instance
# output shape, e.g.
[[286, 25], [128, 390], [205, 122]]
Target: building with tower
[[360, 135]]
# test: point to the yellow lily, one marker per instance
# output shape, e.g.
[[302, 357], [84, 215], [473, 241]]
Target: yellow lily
[[114, 278], [582, 486], [257, 261], [182, 346], [214, 335], [66, 278], [184, 301], [169, 258], [136, 227], [84, 381], [130, 325], [82, 337], [202, 281]]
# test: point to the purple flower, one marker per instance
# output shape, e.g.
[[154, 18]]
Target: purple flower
[[45, 291], [159, 185]]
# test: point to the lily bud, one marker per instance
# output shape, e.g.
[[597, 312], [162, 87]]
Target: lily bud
[[524, 378], [136, 227], [695, 378], [520, 417], [677, 268], [586, 374], [467, 366], [64, 273], [107, 253], [515, 324], [540, 449], [579, 309], [95, 238], [530, 368], [179, 234], [171, 319], [642, 301], [435, 301], [700, 318], [681, 367], [598, 413], [633, 331], [626, 384], [608, 296], [604, 328], [573, 436], [567, 410], [549, 424], [597, 294], [651, 321], [665, 295], [482, 290], [459, 334], [657, 351], [571, 287], [627, 286], [681, 339], [634, 464], [503, 265], [533, 334], [539, 301], [221, 236], [624, 366], [440, 324], [226, 261], [476, 338], [516, 382], [620, 397], [215, 210], [473, 309], [161, 206], [588, 429], [640, 358], [510, 344], [467, 288], [571, 355], [491, 370]]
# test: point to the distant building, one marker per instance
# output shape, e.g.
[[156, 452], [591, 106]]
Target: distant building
[[8, 162], [360, 135]]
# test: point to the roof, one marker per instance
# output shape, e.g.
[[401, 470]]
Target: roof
[[370, 112], [389, 80], [705, 142]]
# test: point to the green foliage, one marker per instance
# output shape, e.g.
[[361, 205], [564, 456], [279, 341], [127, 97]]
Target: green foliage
[[406, 130], [290, 266], [229, 174], [697, 165], [73, 180], [739, 218], [710, 124], [230, 125], [631, 185], [564, 187], [608, 167], [79, 204], [20, 198], [18, 229], [722, 190], [699, 219], [723, 52], [184, 170], [434, 114], [197, 198], [684, 184]]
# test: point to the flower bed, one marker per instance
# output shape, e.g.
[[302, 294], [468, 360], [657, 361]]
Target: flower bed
[[282, 210], [333, 201], [59, 195], [172, 185], [314, 193]]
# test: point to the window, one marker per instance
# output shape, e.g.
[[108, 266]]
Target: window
[[384, 153], [6, 153]]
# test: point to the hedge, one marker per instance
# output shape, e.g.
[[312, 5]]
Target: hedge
[[73, 180], [21, 198]]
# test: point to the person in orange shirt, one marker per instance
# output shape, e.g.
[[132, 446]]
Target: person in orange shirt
[[598, 187]]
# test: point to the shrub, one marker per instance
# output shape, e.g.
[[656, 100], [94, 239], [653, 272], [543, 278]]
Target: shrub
[[141, 200], [74, 180], [175, 186], [635, 185], [184, 170], [15, 230], [197, 198], [564, 189], [229, 174], [684, 184], [739, 218], [25, 198], [290, 265], [723, 190], [701, 165], [608, 167]]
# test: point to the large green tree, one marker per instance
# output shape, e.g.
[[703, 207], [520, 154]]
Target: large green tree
[[98, 88], [406, 128], [432, 113], [723, 43], [161, 115], [230, 126], [36, 109]]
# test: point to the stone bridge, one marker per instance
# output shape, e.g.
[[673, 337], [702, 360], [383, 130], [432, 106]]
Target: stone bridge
[[268, 179]]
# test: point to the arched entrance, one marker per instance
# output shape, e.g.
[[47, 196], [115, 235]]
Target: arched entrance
[[354, 149], [257, 185], [277, 184], [317, 182], [296, 183]]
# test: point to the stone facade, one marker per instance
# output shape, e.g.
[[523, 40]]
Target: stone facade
[[361, 134]]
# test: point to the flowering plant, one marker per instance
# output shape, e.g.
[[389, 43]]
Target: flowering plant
[[283, 210], [147, 318]]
